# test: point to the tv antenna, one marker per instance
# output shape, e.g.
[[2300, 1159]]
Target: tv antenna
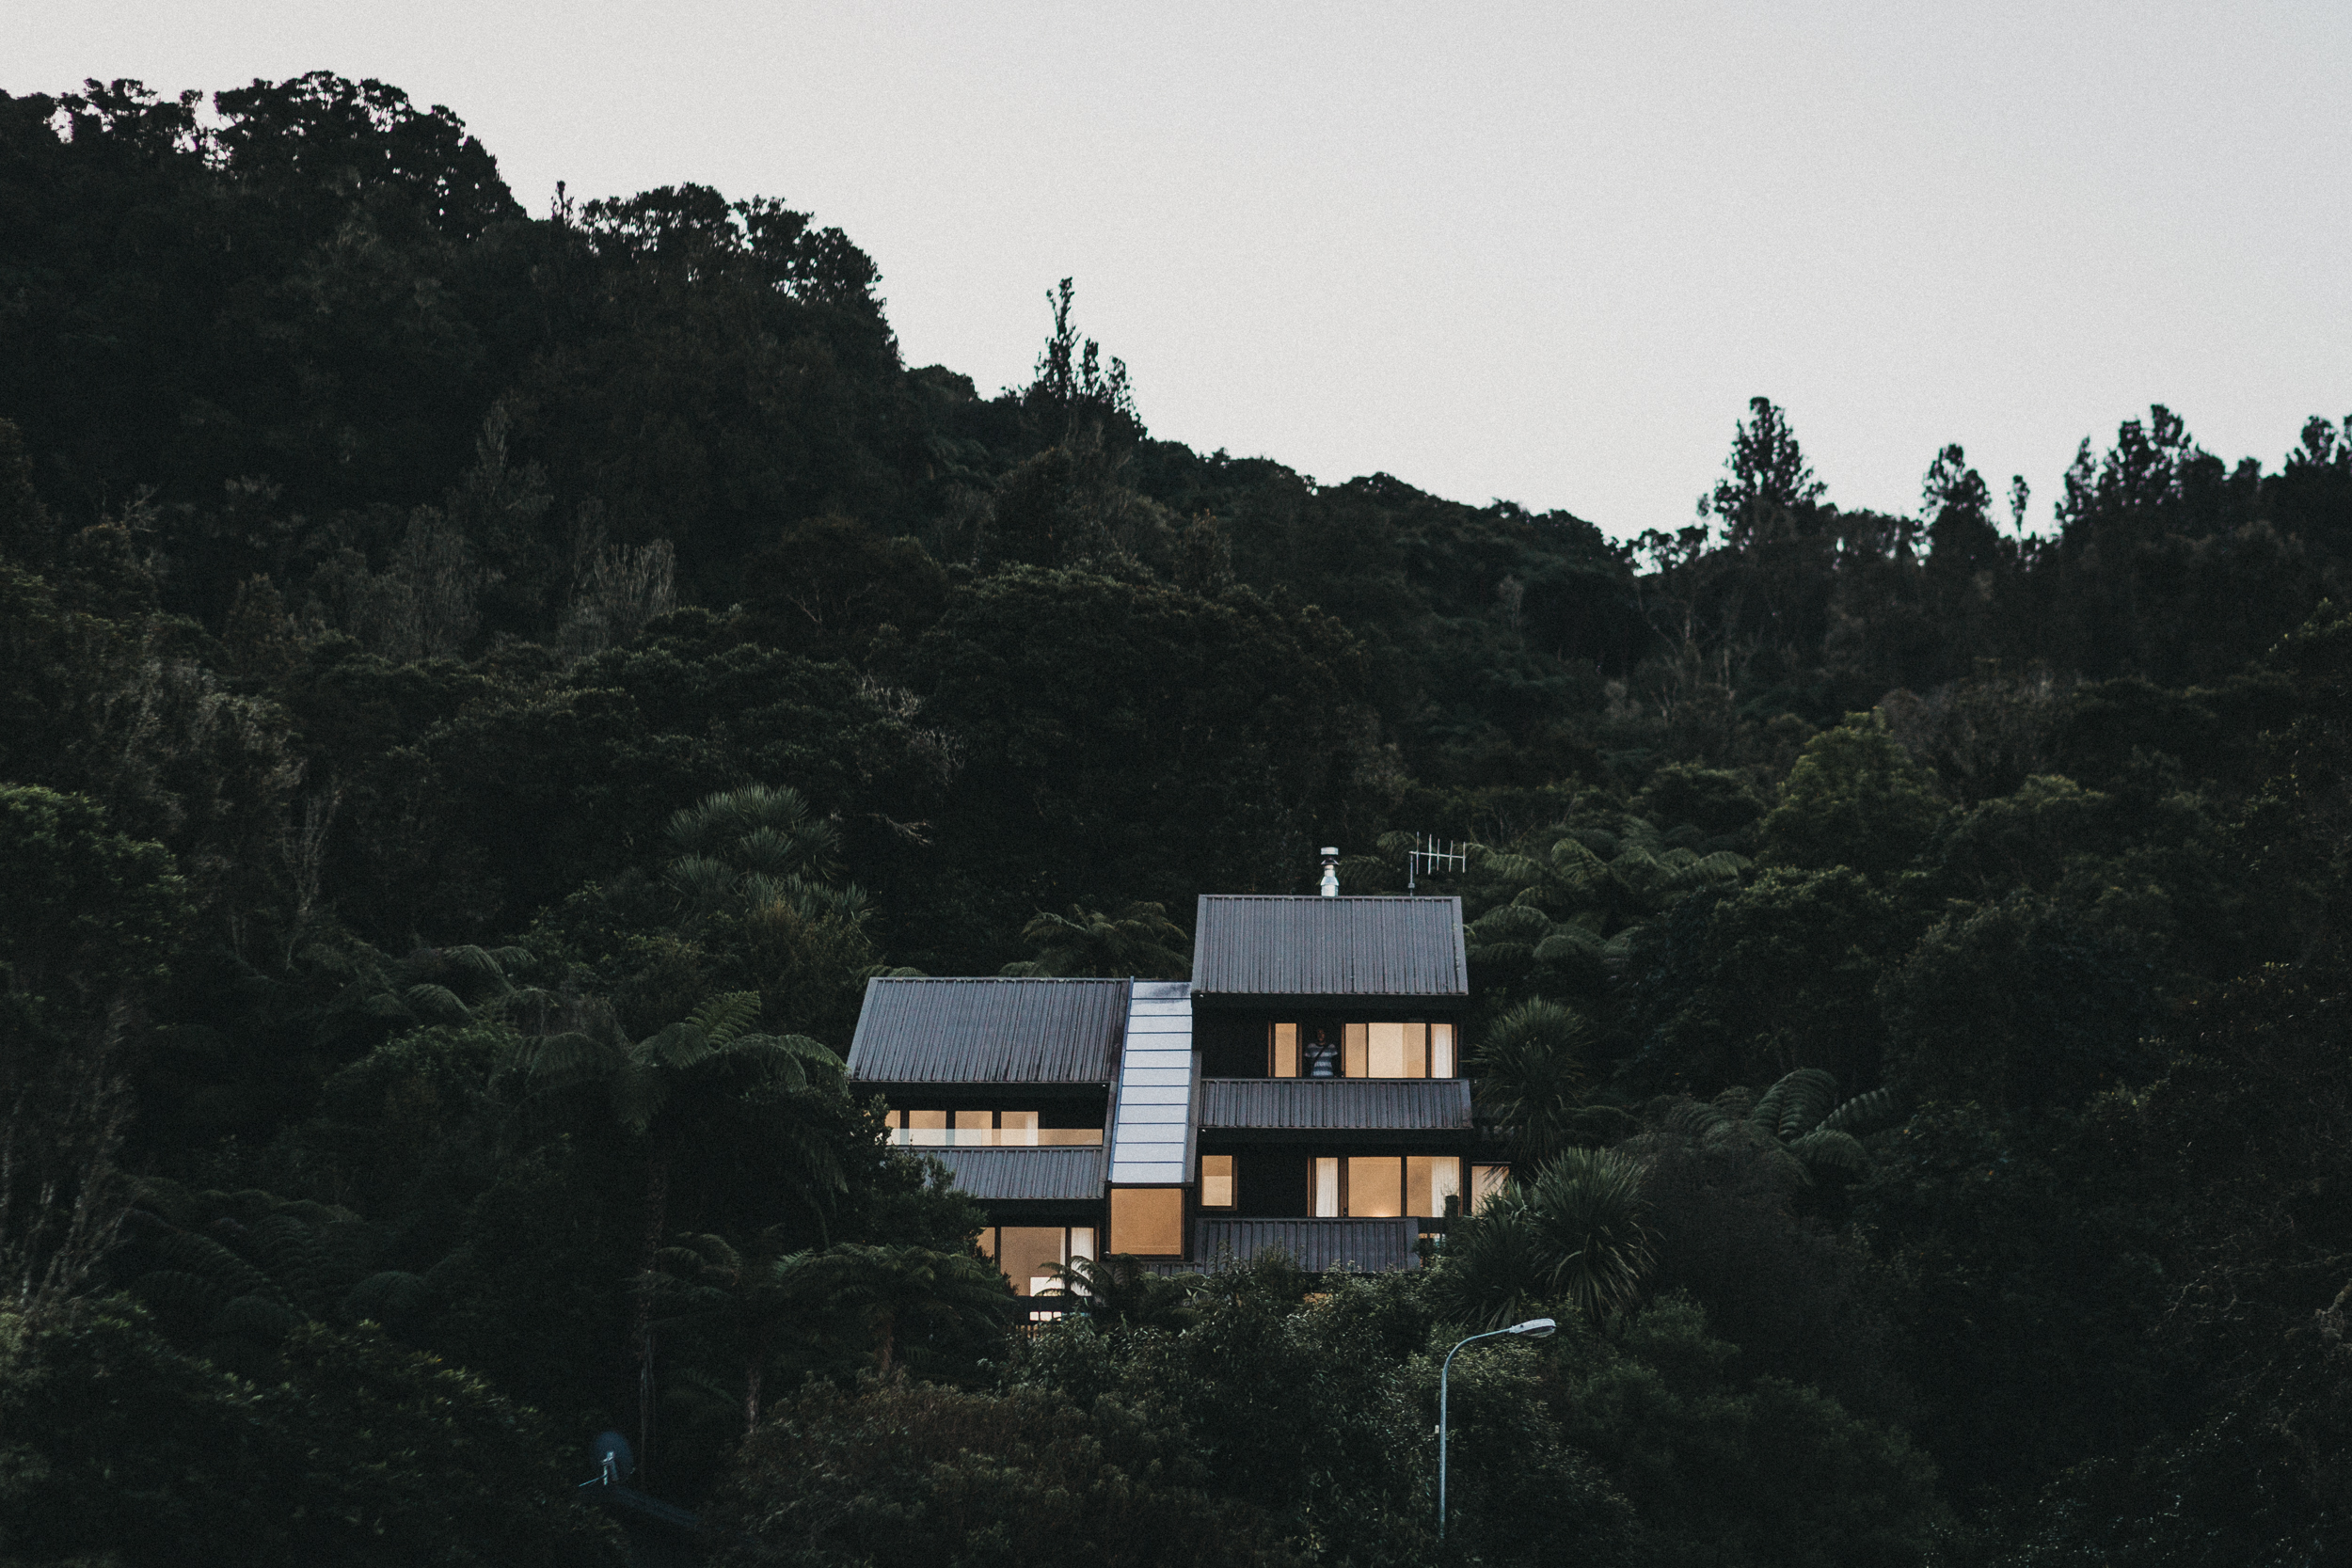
[[1425, 855]]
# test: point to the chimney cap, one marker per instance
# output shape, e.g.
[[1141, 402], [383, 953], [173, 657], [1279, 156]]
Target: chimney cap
[[1331, 849]]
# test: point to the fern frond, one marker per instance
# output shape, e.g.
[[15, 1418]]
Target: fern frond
[[434, 1003], [1806, 1097], [728, 1015], [1825, 1149], [1863, 1113]]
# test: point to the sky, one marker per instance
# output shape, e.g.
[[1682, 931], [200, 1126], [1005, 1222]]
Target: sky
[[1544, 253]]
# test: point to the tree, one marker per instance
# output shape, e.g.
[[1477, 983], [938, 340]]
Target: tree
[[1532, 1077], [1139, 940], [912, 1295], [1855, 798], [675, 1092], [1767, 488], [894, 1472], [1570, 1233], [747, 1294]]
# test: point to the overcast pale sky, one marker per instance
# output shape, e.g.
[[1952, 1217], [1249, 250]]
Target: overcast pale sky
[[1542, 252]]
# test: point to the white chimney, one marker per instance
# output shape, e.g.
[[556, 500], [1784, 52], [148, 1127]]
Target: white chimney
[[1330, 873]]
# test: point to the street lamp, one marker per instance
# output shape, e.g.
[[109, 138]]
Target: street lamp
[[1534, 1328]]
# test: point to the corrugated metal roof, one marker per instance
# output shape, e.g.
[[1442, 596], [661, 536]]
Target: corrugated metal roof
[[988, 1030], [1251, 945], [1395, 1104], [1024, 1175], [1374, 1246]]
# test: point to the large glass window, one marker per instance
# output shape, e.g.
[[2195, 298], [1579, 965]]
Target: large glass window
[[1147, 1221], [1430, 1181], [1384, 1186], [1486, 1183], [1216, 1181], [984, 1130], [1028, 1254], [1376, 1187], [1408, 1049]]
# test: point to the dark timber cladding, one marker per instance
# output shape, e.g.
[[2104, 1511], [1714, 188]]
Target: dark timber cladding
[[1024, 1175], [1331, 950], [1337, 1104], [988, 1032]]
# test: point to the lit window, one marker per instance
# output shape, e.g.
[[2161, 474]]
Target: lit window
[[1441, 1051], [1216, 1181], [1376, 1187], [1286, 1050], [984, 1130], [1430, 1180], [1147, 1221], [1358, 1055], [1327, 1189], [1388, 1051], [1486, 1183]]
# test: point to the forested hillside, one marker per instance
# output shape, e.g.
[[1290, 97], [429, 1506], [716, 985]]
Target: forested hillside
[[481, 689]]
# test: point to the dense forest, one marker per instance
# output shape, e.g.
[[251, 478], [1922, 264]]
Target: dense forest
[[480, 690]]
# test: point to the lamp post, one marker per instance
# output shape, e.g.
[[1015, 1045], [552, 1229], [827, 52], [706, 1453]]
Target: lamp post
[[1534, 1328]]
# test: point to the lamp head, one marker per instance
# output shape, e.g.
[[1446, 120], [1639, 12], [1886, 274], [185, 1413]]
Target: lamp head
[[1534, 1328]]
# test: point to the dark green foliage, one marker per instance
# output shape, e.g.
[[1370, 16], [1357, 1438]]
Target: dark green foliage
[[90, 914], [119, 1445], [897, 1472], [458, 666]]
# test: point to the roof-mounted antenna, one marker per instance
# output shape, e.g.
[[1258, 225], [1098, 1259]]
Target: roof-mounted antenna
[[1426, 855], [1330, 873]]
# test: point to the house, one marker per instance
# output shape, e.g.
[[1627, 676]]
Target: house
[[1304, 1090]]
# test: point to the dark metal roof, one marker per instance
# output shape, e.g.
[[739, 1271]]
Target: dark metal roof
[[1253, 945], [1340, 1104], [1024, 1175], [996, 1031], [1316, 1245]]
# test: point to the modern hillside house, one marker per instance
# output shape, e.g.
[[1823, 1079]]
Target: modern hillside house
[[1303, 1090]]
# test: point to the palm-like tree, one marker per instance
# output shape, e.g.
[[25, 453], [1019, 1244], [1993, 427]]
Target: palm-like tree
[[1572, 905], [757, 848], [1530, 1080], [1572, 1233], [1124, 1289], [896, 1291], [748, 1295], [1138, 940], [675, 1083]]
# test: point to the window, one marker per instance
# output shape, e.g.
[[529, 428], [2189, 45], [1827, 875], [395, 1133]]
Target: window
[[1376, 1187], [1147, 1221], [1487, 1182], [1411, 1050], [1028, 1254], [1385, 1186], [984, 1130], [1431, 1181], [1216, 1181]]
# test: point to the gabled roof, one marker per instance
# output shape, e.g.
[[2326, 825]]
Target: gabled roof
[[1336, 1104], [988, 1031], [1251, 945]]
